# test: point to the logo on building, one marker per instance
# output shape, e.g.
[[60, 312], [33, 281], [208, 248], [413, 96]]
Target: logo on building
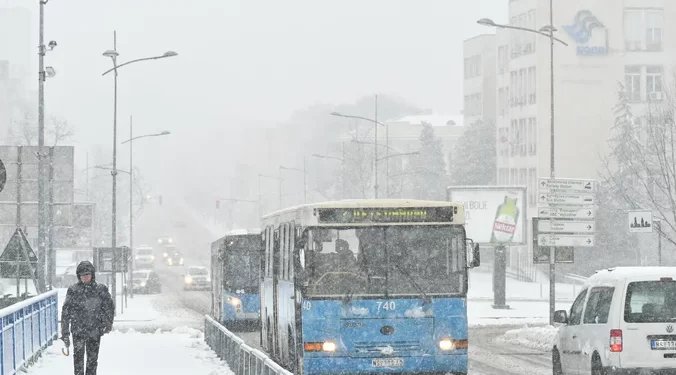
[[589, 33]]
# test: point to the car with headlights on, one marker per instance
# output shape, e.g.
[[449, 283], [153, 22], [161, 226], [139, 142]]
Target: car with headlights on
[[196, 278], [144, 257], [174, 258], [146, 281], [165, 240]]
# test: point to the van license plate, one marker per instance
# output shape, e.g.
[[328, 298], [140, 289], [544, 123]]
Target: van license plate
[[388, 362], [663, 345]]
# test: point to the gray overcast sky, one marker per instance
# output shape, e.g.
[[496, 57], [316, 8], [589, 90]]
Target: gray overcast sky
[[246, 61]]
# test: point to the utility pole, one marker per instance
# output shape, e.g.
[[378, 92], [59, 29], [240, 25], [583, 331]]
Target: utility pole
[[375, 151], [113, 242], [552, 249], [131, 204], [42, 235], [304, 180]]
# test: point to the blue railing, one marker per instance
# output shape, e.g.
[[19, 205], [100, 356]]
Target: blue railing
[[27, 328], [242, 359]]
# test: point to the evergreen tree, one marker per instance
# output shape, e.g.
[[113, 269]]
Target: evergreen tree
[[429, 168], [474, 163]]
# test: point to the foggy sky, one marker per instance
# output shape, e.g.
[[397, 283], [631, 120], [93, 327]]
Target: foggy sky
[[244, 62]]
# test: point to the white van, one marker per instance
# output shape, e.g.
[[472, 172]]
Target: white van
[[144, 258], [622, 322]]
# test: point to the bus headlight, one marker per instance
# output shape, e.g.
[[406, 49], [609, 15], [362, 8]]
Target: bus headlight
[[329, 346], [446, 344], [234, 301], [152, 257], [188, 280]]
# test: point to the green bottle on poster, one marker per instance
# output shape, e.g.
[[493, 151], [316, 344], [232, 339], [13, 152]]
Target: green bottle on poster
[[506, 217]]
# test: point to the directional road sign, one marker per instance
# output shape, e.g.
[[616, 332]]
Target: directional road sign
[[568, 184], [566, 199], [579, 240], [566, 212], [640, 221], [565, 226]]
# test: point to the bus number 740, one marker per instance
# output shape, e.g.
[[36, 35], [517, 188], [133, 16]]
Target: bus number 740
[[387, 305]]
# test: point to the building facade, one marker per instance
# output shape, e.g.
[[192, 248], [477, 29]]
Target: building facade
[[612, 46], [479, 79]]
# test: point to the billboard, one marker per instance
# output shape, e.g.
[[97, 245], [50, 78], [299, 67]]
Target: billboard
[[494, 215]]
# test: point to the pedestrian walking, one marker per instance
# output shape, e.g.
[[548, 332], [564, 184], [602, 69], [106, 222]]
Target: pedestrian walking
[[87, 314]]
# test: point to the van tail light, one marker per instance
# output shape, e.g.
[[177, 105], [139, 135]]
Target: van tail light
[[616, 340]]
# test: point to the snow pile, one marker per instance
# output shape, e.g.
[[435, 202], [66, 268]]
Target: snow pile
[[481, 313], [541, 338], [177, 352]]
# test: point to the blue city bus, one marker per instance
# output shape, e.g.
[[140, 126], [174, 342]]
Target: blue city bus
[[367, 287], [235, 270]]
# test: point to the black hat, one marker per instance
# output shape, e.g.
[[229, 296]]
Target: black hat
[[85, 268]]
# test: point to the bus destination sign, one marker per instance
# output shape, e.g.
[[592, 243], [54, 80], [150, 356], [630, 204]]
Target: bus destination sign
[[386, 215]]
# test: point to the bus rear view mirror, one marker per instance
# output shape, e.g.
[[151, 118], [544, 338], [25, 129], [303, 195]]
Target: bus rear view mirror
[[476, 256]]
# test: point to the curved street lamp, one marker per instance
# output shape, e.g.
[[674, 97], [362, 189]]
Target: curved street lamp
[[113, 54], [547, 31]]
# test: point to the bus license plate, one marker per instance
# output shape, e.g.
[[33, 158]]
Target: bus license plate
[[388, 362], [663, 345]]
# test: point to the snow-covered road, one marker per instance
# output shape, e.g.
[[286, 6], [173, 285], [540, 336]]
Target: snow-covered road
[[491, 356]]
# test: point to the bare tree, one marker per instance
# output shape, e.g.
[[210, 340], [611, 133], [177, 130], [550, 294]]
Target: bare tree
[[641, 167], [24, 130]]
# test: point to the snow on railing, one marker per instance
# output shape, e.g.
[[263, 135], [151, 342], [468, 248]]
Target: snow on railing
[[28, 327], [242, 359]]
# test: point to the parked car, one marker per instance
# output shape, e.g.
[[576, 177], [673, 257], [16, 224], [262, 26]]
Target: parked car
[[146, 281], [196, 278], [144, 257], [622, 322], [175, 258]]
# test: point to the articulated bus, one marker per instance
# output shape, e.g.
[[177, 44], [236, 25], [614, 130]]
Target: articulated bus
[[235, 270], [367, 286]]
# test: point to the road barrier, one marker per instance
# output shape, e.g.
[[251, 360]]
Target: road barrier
[[242, 359], [28, 327]]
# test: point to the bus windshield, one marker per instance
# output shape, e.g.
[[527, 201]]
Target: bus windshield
[[386, 260], [242, 263]]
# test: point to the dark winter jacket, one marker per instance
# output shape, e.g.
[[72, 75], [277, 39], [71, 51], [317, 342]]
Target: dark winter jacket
[[88, 309]]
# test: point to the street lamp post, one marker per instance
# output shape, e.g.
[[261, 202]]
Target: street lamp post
[[43, 227], [131, 190], [547, 31], [279, 178], [342, 166], [387, 140], [113, 54], [304, 170]]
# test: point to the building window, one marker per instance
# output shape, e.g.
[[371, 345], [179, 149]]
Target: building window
[[514, 88], [503, 141], [522, 137], [632, 82], [532, 136], [513, 176], [473, 66], [514, 134], [502, 59], [522, 87], [643, 29], [653, 83], [523, 177], [532, 85]]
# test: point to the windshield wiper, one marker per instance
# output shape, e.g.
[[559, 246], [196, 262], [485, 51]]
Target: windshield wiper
[[426, 298]]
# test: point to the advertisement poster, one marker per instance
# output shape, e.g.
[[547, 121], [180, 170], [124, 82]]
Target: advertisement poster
[[494, 215]]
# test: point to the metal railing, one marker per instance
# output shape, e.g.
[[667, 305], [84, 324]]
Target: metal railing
[[28, 327], [242, 359]]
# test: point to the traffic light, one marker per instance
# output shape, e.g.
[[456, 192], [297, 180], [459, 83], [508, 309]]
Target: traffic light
[[159, 199], [218, 203]]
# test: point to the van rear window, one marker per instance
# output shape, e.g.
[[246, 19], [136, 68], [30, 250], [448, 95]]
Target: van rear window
[[650, 302]]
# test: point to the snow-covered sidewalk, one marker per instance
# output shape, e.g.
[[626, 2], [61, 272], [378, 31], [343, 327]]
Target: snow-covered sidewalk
[[540, 338], [177, 352]]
